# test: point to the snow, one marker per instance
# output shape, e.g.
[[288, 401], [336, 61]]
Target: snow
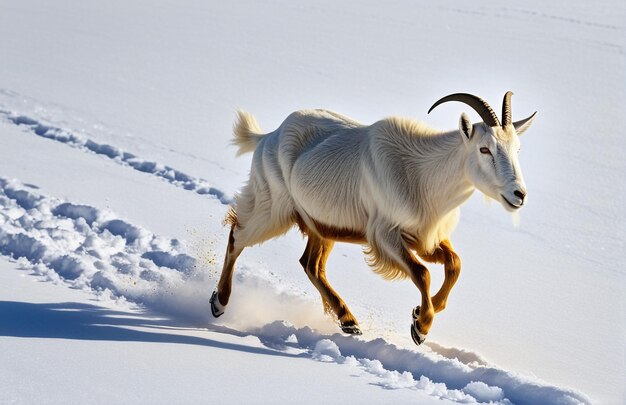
[[170, 174], [62, 345], [484, 393], [116, 172], [92, 250]]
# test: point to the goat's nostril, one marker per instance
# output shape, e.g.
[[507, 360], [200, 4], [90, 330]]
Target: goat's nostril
[[520, 194]]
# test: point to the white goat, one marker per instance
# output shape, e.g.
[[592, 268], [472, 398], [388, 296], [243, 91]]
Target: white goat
[[394, 186]]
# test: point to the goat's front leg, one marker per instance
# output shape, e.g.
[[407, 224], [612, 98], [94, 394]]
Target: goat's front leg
[[390, 256], [424, 314], [444, 254]]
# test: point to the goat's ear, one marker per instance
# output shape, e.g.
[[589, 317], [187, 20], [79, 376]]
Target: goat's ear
[[465, 127], [523, 125]]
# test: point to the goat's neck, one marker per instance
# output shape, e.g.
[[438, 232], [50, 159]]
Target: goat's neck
[[440, 168]]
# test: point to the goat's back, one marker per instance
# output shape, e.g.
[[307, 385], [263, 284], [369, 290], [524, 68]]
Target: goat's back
[[314, 158]]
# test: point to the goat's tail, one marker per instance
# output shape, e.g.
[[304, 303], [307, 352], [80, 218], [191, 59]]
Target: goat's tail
[[247, 132]]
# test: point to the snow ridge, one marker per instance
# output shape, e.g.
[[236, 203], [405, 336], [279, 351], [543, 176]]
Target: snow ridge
[[484, 383], [169, 174], [92, 249]]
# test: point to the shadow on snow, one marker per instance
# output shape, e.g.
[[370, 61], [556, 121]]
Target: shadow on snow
[[70, 320]]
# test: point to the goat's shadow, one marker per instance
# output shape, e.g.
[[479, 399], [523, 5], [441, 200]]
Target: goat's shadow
[[76, 321]]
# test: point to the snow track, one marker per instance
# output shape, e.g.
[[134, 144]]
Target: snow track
[[93, 249], [167, 173], [90, 248]]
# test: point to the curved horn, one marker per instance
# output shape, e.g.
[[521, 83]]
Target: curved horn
[[478, 104], [506, 109]]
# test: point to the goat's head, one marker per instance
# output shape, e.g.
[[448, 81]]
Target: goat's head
[[492, 163]]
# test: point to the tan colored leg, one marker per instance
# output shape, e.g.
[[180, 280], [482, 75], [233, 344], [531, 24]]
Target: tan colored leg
[[224, 286], [244, 234], [421, 278], [390, 255], [445, 255], [313, 261]]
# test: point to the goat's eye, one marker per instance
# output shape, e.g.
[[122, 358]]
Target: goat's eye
[[485, 150]]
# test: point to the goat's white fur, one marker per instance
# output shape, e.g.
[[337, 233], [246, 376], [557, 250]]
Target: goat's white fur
[[394, 181]]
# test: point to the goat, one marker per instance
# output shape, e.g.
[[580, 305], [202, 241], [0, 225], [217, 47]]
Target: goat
[[394, 186]]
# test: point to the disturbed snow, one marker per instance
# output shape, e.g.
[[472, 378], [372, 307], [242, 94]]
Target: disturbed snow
[[93, 249]]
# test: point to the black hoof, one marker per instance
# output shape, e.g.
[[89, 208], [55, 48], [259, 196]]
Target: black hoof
[[351, 329], [418, 337], [216, 308], [416, 312]]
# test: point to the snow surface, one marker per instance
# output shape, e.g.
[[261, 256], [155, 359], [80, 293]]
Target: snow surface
[[116, 173], [84, 248], [62, 345]]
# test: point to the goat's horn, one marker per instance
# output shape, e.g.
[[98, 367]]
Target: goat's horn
[[478, 104], [506, 109]]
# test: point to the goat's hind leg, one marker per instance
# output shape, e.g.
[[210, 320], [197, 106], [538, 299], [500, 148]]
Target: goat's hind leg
[[219, 298], [313, 261], [244, 232]]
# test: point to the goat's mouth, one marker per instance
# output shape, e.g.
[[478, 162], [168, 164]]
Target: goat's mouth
[[511, 205]]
